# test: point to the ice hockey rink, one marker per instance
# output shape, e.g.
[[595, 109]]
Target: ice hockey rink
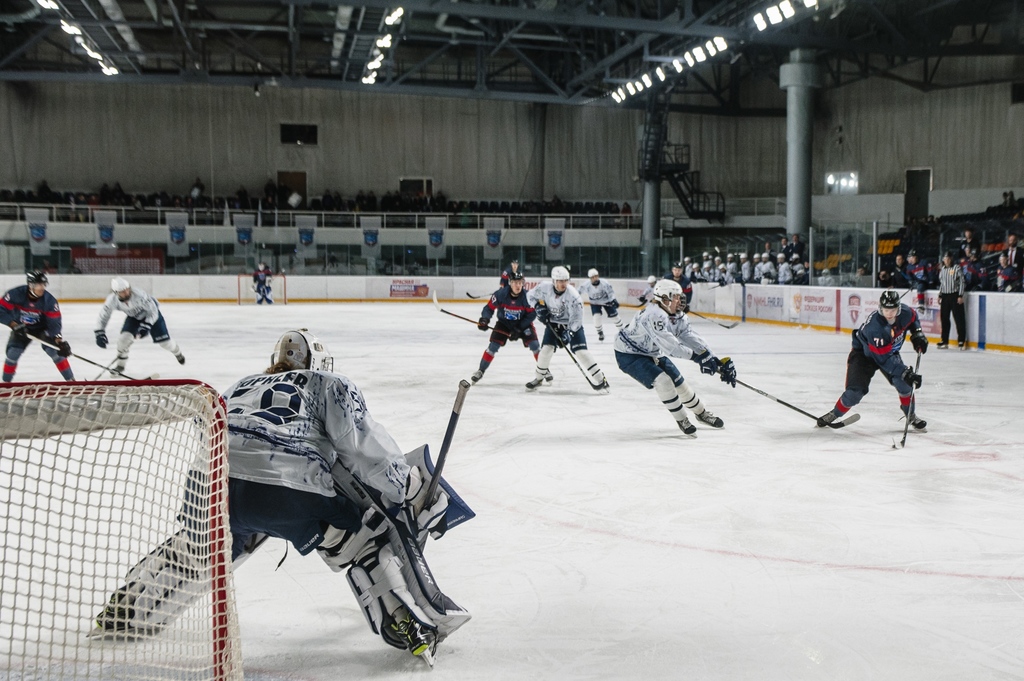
[[607, 545]]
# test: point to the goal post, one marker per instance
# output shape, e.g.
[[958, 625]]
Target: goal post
[[247, 294], [94, 476]]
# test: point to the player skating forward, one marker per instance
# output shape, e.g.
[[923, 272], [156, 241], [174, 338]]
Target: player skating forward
[[601, 295], [645, 297], [560, 308], [31, 309], [261, 279], [308, 464], [143, 319], [876, 347], [658, 332], [514, 317]]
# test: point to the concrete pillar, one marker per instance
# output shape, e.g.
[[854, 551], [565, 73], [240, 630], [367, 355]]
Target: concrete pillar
[[650, 226], [799, 78]]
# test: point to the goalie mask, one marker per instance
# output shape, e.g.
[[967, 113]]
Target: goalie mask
[[302, 350]]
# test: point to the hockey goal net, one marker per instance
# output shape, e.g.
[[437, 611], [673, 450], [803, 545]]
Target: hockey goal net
[[247, 292], [94, 477]]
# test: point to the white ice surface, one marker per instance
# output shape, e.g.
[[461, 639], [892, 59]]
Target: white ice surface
[[609, 546]]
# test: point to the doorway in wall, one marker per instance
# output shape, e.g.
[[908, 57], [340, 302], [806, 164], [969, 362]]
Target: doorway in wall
[[295, 181], [916, 193]]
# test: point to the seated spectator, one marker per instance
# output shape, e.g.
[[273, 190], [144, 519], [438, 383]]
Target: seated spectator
[[1006, 200], [626, 208], [826, 278], [975, 276], [800, 275], [968, 241]]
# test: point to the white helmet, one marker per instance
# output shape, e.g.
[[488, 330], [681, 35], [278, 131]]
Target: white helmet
[[117, 284], [651, 279], [559, 273], [593, 272], [302, 350], [743, 256], [665, 289]]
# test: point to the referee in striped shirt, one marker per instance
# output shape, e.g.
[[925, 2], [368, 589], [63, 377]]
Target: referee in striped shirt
[[951, 299]]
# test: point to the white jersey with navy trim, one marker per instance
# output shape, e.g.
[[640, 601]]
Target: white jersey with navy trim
[[563, 308], [601, 294], [140, 305], [289, 429], [655, 333]]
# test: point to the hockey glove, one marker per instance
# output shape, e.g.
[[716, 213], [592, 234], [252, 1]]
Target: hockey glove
[[484, 324], [19, 332], [919, 341], [542, 315], [63, 347], [561, 331], [728, 372], [101, 339], [684, 307], [527, 332], [910, 378], [612, 305], [429, 513], [143, 330], [513, 334], [643, 301], [709, 364], [255, 288]]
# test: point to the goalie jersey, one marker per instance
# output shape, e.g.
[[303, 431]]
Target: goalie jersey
[[272, 438], [655, 333]]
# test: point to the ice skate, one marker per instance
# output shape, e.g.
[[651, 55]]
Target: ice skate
[[600, 334], [917, 422], [532, 385], [180, 357], [707, 417], [477, 375], [942, 345], [421, 642], [685, 426], [602, 386], [826, 419]]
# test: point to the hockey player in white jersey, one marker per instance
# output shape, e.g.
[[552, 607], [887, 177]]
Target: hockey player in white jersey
[[658, 332], [143, 319], [601, 295], [645, 297], [560, 308], [308, 464]]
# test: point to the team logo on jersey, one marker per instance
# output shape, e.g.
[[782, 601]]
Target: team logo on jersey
[[370, 237], [177, 234], [494, 238], [554, 238], [106, 233], [37, 230], [436, 237], [244, 235], [854, 304], [306, 237]]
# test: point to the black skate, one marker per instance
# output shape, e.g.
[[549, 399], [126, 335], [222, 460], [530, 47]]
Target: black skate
[[917, 422], [685, 426], [532, 385], [477, 375], [602, 386], [826, 419], [600, 334], [707, 417], [180, 357]]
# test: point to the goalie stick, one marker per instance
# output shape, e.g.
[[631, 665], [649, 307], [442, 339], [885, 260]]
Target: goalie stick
[[453, 421], [95, 364], [835, 424], [906, 426], [465, 319]]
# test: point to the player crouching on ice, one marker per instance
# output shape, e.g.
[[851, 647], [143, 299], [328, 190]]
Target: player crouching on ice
[[658, 332], [876, 346], [308, 464]]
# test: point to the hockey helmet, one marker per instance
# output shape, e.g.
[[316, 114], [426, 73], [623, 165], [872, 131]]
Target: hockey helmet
[[118, 284], [677, 266], [559, 273], [687, 259], [592, 272], [516, 276], [302, 350], [36, 277], [912, 253], [889, 299], [743, 256], [665, 289], [651, 279]]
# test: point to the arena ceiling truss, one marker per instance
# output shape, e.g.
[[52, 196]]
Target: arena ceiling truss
[[541, 51]]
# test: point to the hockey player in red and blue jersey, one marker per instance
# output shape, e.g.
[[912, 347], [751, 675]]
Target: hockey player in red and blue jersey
[[919, 274], [261, 279], [876, 347], [513, 268], [31, 310], [513, 320], [677, 276]]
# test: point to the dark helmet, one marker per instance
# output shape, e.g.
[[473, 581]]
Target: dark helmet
[[515, 276], [679, 265], [912, 253], [889, 298], [948, 254], [36, 277]]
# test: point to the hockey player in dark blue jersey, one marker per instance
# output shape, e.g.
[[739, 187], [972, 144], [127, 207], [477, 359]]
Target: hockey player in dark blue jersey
[[31, 310], [919, 274], [876, 347], [677, 276], [513, 321], [513, 268]]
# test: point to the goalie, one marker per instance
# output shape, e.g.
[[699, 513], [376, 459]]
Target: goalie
[[261, 279], [308, 464]]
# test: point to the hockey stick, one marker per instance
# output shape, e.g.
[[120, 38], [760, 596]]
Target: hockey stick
[[835, 424], [453, 421], [89, 361], [465, 319], [906, 426], [572, 356], [724, 325], [106, 368], [470, 295]]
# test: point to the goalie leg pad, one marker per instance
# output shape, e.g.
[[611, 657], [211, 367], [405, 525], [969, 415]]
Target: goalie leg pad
[[340, 548], [381, 590], [157, 589]]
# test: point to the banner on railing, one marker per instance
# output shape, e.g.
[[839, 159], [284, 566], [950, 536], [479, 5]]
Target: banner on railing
[[38, 220], [306, 246], [554, 238], [177, 239], [436, 226], [105, 221], [494, 229], [370, 224]]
